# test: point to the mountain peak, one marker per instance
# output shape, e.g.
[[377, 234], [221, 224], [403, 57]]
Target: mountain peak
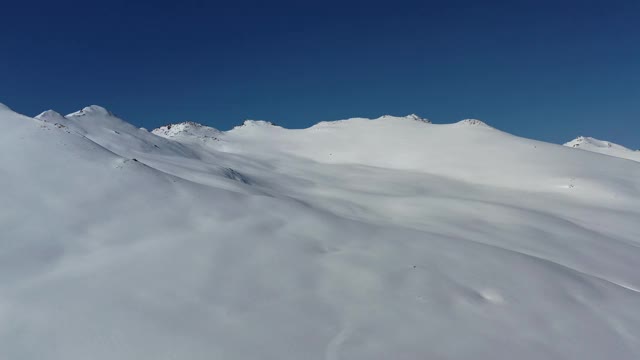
[[257, 123], [187, 128], [472, 122], [50, 116], [5, 107], [603, 147], [413, 117], [577, 141], [586, 141], [417, 118], [91, 109]]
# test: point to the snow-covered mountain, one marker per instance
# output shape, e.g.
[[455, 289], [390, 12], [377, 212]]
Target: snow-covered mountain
[[603, 147], [384, 238], [188, 130]]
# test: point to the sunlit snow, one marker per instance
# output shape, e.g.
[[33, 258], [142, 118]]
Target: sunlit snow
[[388, 238]]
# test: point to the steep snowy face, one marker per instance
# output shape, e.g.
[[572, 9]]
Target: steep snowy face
[[359, 239], [187, 129], [603, 147]]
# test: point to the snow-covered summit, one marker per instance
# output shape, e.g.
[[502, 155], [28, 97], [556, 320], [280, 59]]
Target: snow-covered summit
[[187, 128], [589, 142], [92, 109], [256, 127], [603, 147], [50, 116], [472, 122], [4, 107], [95, 116], [413, 117], [417, 118], [255, 123]]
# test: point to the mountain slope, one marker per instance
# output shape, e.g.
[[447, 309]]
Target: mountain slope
[[355, 239]]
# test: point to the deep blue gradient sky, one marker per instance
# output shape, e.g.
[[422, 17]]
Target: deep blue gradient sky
[[550, 70]]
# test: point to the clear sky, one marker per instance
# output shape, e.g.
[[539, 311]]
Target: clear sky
[[549, 70]]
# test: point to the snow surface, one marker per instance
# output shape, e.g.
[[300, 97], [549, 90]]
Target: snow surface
[[603, 147], [356, 239]]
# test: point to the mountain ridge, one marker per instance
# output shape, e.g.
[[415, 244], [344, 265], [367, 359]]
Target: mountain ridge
[[364, 239]]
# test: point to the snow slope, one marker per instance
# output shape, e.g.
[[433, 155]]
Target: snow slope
[[603, 147], [388, 238]]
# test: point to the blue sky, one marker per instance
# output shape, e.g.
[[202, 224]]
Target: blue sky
[[549, 70]]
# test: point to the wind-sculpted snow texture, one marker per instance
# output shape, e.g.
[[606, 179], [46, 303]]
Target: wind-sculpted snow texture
[[363, 239]]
